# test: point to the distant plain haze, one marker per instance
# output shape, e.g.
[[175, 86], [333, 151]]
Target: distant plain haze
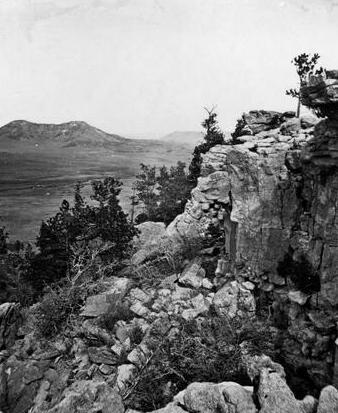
[[147, 67]]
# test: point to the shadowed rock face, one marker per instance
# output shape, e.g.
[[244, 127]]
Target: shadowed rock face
[[277, 191], [320, 92]]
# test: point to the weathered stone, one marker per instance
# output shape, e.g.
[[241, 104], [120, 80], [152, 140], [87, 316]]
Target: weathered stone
[[291, 126], [298, 297], [260, 120], [207, 284], [125, 375], [139, 355], [328, 400], [101, 355], [308, 121], [238, 398], [321, 93], [204, 398], [249, 285], [89, 397], [255, 364], [309, 404], [92, 331], [233, 300], [149, 233], [118, 349], [275, 396], [106, 369], [100, 304], [200, 307], [150, 236], [193, 275], [136, 294], [23, 381], [140, 310]]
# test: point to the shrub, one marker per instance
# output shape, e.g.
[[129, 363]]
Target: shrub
[[208, 350], [136, 335], [118, 311], [13, 284], [56, 308], [169, 258]]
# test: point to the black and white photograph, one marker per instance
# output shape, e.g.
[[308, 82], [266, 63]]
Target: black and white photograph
[[168, 206]]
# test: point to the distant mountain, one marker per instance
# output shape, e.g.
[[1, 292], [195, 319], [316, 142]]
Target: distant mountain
[[190, 138], [64, 134]]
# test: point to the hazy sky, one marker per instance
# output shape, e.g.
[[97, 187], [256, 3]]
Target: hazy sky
[[132, 66]]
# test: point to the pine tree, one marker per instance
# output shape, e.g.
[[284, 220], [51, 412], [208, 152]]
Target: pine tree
[[105, 220], [163, 193], [213, 136], [305, 65]]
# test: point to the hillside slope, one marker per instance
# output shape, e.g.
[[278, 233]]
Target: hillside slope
[[64, 134]]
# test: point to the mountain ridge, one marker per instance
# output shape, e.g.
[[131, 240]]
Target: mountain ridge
[[67, 133]]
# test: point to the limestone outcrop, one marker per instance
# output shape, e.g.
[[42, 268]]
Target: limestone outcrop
[[274, 192]]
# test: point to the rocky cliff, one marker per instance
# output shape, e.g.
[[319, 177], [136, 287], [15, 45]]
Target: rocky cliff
[[274, 191]]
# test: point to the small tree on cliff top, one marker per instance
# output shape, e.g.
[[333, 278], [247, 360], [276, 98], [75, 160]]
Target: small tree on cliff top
[[305, 65], [212, 137]]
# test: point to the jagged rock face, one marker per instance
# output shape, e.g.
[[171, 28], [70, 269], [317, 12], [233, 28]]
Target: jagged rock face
[[275, 193], [10, 319], [321, 93]]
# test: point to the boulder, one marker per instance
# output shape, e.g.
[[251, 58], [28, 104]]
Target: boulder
[[125, 375], [308, 121], [291, 126], [100, 304], [261, 120], [101, 355], [192, 275], [275, 396], [298, 297], [309, 404], [147, 241], [204, 398], [224, 397], [328, 400], [320, 92], [139, 355], [149, 233], [237, 397], [200, 307], [23, 381], [89, 397]]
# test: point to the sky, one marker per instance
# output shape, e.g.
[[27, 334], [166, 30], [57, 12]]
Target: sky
[[148, 67]]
